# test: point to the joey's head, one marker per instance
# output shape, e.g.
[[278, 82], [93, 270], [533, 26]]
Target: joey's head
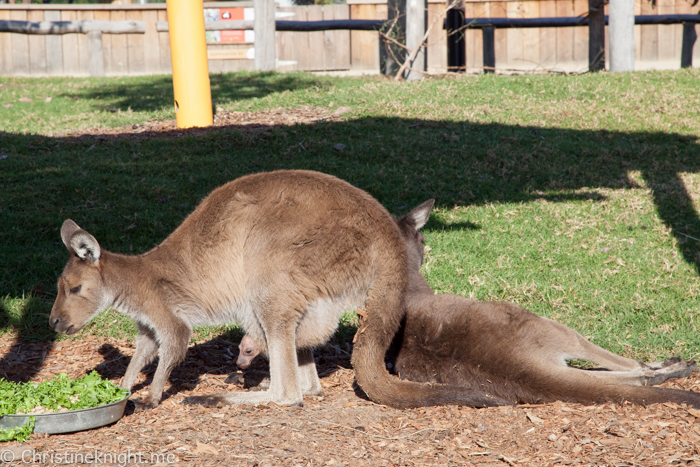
[[410, 226], [248, 349], [81, 289]]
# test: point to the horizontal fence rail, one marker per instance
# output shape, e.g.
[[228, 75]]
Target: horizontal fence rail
[[455, 46], [301, 26], [73, 27], [94, 30], [506, 23]]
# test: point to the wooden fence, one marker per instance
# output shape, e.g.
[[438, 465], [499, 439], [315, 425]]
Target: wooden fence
[[564, 49], [657, 46]]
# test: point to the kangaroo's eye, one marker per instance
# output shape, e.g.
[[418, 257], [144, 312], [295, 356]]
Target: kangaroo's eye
[[75, 290]]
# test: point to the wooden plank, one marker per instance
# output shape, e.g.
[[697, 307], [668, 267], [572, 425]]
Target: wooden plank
[[119, 53], [667, 33], [343, 39], [470, 36], [649, 40], [166, 65], [638, 32], [136, 56], [71, 27], [548, 36], [286, 41], [329, 62], [515, 39], [364, 46], [96, 58], [83, 44], [37, 47], [531, 37], [498, 10], [437, 45], [20, 46], [581, 37], [480, 11], [151, 43], [54, 47], [102, 15], [5, 48], [415, 30], [265, 35], [565, 36], [381, 12], [336, 54], [314, 59], [301, 42], [71, 60]]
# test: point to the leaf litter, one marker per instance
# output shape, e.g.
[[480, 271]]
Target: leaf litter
[[342, 427]]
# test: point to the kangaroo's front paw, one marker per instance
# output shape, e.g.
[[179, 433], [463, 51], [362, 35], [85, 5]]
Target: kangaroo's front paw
[[144, 403]]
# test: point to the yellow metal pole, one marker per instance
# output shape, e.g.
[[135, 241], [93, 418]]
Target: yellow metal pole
[[188, 49]]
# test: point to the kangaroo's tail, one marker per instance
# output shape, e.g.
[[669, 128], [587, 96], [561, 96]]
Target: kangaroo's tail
[[380, 322], [589, 389]]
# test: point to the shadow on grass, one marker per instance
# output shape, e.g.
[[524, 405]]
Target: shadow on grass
[[131, 193], [33, 342], [157, 93]]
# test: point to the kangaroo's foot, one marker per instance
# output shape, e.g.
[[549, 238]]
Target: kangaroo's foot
[[671, 368]]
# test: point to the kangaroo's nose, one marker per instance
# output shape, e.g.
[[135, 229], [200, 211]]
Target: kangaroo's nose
[[54, 322]]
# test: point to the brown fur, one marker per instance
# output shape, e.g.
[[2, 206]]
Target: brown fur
[[281, 253], [505, 350], [510, 352]]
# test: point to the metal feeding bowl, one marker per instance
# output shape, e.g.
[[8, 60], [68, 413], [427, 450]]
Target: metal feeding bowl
[[70, 421]]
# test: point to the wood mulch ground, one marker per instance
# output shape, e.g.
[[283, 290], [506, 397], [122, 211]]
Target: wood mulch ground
[[244, 121], [340, 428]]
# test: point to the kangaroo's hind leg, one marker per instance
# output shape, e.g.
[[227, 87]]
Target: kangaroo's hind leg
[[573, 346]]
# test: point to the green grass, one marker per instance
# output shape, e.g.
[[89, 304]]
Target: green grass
[[573, 196]]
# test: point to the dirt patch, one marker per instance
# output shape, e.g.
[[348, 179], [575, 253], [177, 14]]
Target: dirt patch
[[342, 427], [251, 121]]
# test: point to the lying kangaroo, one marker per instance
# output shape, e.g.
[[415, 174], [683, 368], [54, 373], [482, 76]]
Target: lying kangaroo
[[281, 253], [505, 350], [511, 353]]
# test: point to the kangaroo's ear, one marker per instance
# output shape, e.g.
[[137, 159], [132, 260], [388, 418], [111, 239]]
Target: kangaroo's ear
[[80, 242], [420, 214]]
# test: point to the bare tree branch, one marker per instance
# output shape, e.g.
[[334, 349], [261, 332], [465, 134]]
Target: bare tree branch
[[414, 52]]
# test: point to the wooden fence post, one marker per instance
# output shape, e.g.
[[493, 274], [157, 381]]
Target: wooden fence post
[[596, 35], [489, 44], [456, 43], [264, 27], [95, 53], [54, 47], [621, 29], [415, 30], [689, 38]]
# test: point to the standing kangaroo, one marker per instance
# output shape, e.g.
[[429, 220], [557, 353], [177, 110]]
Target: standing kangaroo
[[505, 350], [509, 352], [281, 253]]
